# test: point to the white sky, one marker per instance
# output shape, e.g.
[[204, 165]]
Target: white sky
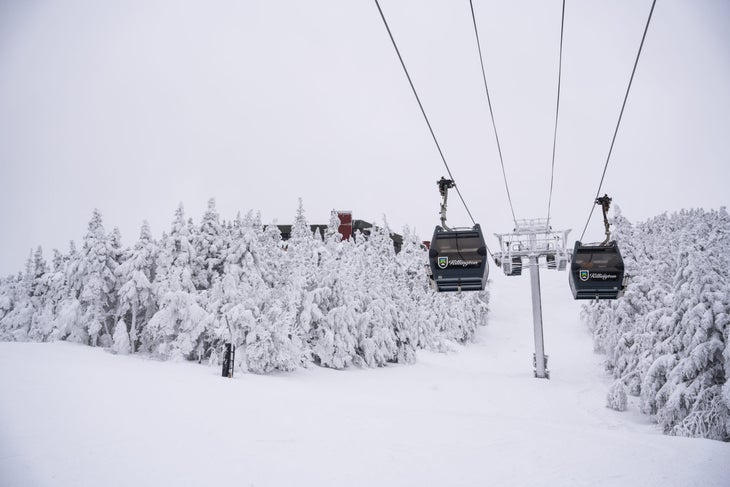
[[135, 106]]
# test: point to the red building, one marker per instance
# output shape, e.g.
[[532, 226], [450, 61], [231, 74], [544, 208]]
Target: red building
[[348, 228]]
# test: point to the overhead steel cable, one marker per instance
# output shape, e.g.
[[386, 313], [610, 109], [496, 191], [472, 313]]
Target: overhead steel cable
[[620, 116], [491, 112], [423, 111], [557, 111]]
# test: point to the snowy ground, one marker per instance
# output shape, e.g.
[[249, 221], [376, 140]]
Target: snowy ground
[[73, 415]]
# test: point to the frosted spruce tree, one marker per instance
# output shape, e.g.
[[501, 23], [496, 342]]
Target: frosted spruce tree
[[136, 297], [302, 261], [7, 292], [47, 292], [6, 296], [96, 282], [379, 342], [331, 311], [57, 292], [176, 328], [210, 245], [19, 318], [120, 340], [418, 307], [281, 304], [68, 323]]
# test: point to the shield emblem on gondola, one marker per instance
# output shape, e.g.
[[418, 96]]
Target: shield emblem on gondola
[[584, 275], [443, 262]]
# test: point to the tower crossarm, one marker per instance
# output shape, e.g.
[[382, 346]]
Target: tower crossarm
[[533, 238]]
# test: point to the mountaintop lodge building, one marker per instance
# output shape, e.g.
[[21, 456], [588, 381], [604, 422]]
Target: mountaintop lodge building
[[347, 228]]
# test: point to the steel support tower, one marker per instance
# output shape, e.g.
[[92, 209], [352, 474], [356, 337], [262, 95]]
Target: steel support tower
[[533, 242]]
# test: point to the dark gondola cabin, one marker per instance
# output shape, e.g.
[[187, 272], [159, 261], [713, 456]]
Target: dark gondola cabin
[[458, 259], [597, 271]]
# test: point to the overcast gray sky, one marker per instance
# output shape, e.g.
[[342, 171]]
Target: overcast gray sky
[[134, 106]]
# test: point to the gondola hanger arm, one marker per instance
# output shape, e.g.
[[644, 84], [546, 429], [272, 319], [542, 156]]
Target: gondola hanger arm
[[444, 186], [605, 202]]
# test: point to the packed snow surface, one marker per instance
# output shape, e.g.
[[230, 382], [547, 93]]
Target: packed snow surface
[[72, 415]]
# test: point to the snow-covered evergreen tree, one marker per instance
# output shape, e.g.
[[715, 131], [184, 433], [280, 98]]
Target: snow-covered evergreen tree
[[56, 291], [302, 261], [42, 298], [136, 298], [417, 303], [176, 328], [616, 398], [121, 343], [210, 246], [96, 280], [334, 313], [17, 321], [378, 343], [68, 323], [6, 298]]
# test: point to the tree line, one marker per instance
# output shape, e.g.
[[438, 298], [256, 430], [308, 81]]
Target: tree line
[[667, 340], [283, 304]]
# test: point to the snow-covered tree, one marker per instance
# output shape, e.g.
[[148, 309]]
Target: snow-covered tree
[[616, 398], [378, 343], [47, 291], [176, 328], [302, 261], [334, 311], [68, 323], [7, 289], [136, 298], [121, 343], [17, 321], [210, 246], [96, 282], [416, 305]]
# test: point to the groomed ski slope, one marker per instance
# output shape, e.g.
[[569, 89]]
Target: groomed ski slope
[[71, 415]]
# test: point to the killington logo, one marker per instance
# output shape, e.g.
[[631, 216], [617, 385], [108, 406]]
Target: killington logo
[[584, 275], [443, 262]]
